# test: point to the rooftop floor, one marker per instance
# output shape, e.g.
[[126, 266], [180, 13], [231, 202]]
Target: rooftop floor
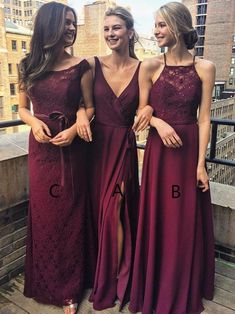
[[13, 301]]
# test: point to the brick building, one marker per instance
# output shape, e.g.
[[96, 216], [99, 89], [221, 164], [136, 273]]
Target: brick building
[[215, 23], [21, 11]]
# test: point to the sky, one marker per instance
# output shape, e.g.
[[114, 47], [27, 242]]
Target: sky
[[142, 10]]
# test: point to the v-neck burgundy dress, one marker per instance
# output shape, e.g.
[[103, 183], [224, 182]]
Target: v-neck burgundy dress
[[55, 268], [113, 164], [174, 260]]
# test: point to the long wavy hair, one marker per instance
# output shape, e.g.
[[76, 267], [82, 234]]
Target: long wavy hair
[[49, 26], [126, 16], [179, 21]]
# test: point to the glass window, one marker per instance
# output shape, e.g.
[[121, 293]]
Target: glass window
[[201, 30], [201, 20], [12, 89], [14, 45], [199, 51], [10, 68], [201, 9]]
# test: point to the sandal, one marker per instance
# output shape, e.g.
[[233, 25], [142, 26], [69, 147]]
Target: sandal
[[71, 308]]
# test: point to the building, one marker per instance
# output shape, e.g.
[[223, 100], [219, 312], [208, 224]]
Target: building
[[215, 23], [14, 43], [21, 12], [225, 144]]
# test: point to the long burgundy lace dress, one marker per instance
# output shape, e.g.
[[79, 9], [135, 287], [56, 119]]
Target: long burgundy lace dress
[[174, 261], [55, 259], [113, 165]]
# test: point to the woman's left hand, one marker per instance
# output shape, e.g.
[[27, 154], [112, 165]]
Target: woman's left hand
[[63, 138], [202, 179], [143, 118]]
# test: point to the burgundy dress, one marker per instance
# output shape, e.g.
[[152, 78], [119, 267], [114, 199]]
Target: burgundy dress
[[174, 260], [55, 257], [113, 166]]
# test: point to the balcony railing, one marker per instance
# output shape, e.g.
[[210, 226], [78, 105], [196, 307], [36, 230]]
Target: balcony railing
[[212, 156]]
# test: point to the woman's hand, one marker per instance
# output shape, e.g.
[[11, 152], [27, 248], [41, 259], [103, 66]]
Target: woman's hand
[[168, 135], [143, 118], [83, 125], [64, 138], [40, 131], [202, 178]]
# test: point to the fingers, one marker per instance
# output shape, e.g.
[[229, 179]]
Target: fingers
[[203, 185], [46, 129], [173, 141], [84, 131], [135, 125]]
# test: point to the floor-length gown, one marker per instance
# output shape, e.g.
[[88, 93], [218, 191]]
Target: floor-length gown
[[55, 269], [174, 261], [113, 178]]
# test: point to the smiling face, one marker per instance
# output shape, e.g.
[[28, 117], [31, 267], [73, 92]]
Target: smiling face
[[164, 37], [116, 34], [69, 29]]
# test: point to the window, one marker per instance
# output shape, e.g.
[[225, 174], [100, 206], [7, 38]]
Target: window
[[234, 38], [23, 45], [1, 107], [230, 81], [233, 49], [201, 20], [13, 45], [15, 108], [12, 89], [199, 51], [201, 9], [233, 61], [201, 30], [200, 41], [231, 71], [202, 1], [10, 68]]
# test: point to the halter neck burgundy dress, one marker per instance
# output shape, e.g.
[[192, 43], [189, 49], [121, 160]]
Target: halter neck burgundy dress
[[113, 165], [174, 260], [55, 268]]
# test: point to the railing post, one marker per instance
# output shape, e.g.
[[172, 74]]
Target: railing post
[[213, 140]]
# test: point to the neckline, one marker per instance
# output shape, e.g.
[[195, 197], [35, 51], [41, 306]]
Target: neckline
[[69, 68], [109, 86], [178, 66]]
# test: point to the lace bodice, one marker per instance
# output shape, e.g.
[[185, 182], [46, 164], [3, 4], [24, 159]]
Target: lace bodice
[[176, 94]]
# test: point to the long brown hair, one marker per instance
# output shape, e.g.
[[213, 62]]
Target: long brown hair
[[126, 16], [48, 31]]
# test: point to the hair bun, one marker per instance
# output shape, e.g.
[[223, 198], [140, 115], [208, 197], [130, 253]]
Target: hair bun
[[191, 38]]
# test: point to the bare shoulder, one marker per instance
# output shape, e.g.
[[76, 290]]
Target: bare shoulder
[[152, 65], [205, 67], [91, 62]]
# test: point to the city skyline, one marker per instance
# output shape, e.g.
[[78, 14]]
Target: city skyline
[[143, 12]]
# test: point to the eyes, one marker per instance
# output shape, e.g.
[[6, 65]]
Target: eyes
[[69, 22], [160, 25], [115, 28]]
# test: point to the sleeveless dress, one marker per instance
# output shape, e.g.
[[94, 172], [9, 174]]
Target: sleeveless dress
[[55, 258], [113, 164], [174, 260]]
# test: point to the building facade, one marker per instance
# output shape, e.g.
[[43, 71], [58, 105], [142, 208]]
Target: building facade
[[215, 24], [21, 12]]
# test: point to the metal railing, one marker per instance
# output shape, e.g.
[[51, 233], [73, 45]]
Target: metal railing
[[213, 141]]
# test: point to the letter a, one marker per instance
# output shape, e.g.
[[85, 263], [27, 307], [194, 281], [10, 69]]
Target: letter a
[[117, 190]]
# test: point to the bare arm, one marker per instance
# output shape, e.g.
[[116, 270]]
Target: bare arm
[[144, 112], [85, 114], [206, 71], [40, 130]]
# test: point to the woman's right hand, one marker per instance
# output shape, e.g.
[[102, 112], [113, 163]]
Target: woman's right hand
[[168, 135], [83, 125], [41, 132]]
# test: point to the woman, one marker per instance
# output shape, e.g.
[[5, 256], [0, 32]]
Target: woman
[[54, 82], [174, 260], [114, 186]]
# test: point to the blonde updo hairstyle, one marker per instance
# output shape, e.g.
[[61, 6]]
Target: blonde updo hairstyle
[[179, 22]]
